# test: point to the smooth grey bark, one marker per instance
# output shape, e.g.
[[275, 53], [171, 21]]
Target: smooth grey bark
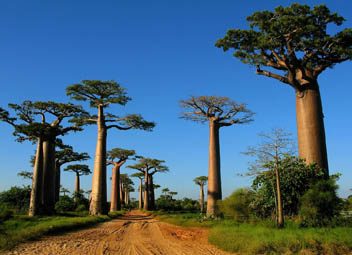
[[310, 127], [36, 192], [214, 177], [98, 198]]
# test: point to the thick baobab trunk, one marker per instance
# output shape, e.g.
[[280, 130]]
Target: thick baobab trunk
[[151, 193], [310, 127], [140, 202], [280, 209], [77, 187], [49, 176], [98, 195], [146, 205], [201, 199], [127, 197], [115, 189], [36, 192], [57, 181], [214, 177]]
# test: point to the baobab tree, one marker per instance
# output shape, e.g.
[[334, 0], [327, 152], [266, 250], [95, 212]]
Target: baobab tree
[[158, 168], [274, 147], [294, 44], [64, 190], [218, 112], [117, 157], [126, 187], [145, 165], [140, 176], [79, 170], [201, 181], [65, 155], [102, 94], [42, 121]]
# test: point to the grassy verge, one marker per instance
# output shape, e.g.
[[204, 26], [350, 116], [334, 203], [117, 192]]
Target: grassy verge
[[264, 238], [23, 228]]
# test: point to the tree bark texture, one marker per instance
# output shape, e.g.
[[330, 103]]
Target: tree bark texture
[[57, 181], [140, 202], [115, 189], [36, 192], [77, 187], [49, 176], [201, 199], [214, 177], [151, 193], [98, 198], [280, 209], [310, 127], [146, 191]]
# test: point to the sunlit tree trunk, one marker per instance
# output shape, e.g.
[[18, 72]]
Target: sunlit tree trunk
[[146, 205], [36, 192], [49, 176], [98, 197], [140, 202], [57, 181], [122, 194], [115, 189], [201, 199], [214, 178], [310, 127]]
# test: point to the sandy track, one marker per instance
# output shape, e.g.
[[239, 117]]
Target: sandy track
[[132, 234]]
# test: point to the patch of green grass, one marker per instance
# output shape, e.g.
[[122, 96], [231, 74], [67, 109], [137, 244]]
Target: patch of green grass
[[22, 228], [263, 237], [259, 239]]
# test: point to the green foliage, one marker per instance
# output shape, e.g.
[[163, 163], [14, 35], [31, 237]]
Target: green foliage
[[98, 92], [201, 180], [79, 169], [289, 39], [320, 205], [5, 213], [16, 198], [296, 178], [65, 204], [120, 154], [237, 205]]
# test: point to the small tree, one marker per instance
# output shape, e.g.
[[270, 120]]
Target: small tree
[[65, 155], [201, 181], [102, 94], [294, 44], [79, 170], [64, 190], [145, 165], [117, 157], [274, 147], [218, 112]]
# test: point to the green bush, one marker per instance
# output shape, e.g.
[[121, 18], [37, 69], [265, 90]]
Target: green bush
[[237, 205], [5, 213], [16, 198], [65, 204], [320, 205]]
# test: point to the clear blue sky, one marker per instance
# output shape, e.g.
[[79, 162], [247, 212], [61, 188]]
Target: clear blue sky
[[161, 51]]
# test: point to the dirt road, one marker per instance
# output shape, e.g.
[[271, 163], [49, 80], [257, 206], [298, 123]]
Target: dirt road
[[132, 234]]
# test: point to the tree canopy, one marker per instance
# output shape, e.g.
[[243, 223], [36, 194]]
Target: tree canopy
[[201, 180], [79, 169], [292, 40], [220, 109]]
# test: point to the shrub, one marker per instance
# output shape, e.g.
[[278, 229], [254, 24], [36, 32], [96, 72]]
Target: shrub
[[320, 205], [237, 205], [65, 204], [5, 213], [16, 198]]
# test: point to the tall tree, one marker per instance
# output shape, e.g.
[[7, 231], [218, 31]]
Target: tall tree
[[25, 175], [140, 176], [145, 165], [294, 43], [79, 170], [274, 147], [65, 155], [126, 187], [218, 112], [102, 94], [201, 181], [158, 168], [42, 121], [117, 157]]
